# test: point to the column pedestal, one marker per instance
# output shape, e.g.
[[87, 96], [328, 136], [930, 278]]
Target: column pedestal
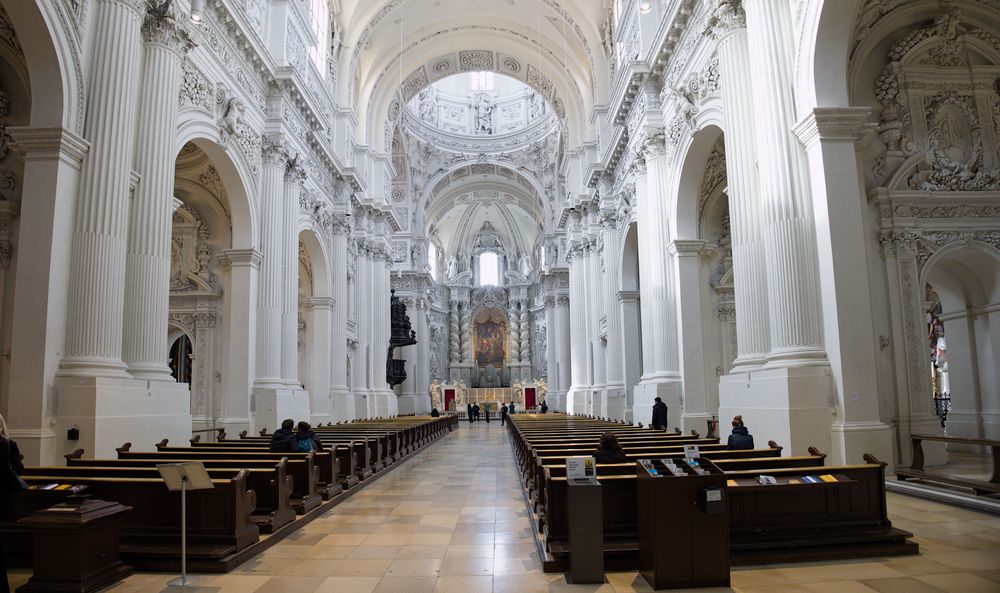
[[271, 405], [792, 406], [110, 411], [668, 389]]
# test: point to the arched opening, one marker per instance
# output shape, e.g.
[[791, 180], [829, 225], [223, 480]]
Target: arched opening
[[964, 316], [634, 356], [181, 355]]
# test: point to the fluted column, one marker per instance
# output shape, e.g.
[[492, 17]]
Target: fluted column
[[615, 373], [551, 360], [597, 368], [563, 348], [752, 327], [789, 233], [294, 177], [270, 303], [343, 407], [575, 399], [147, 273], [661, 286], [454, 337], [100, 229]]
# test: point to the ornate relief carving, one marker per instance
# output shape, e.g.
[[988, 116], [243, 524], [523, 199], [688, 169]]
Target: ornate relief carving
[[955, 152], [196, 89]]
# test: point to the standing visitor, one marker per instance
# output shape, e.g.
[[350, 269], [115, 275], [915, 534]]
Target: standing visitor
[[511, 409], [503, 414], [545, 407], [469, 412], [659, 420], [475, 411]]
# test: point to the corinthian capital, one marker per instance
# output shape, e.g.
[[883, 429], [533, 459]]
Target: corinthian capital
[[161, 27], [294, 171], [728, 16], [272, 151], [655, 146]]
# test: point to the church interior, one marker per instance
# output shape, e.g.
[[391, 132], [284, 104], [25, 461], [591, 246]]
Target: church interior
[[441, 249]]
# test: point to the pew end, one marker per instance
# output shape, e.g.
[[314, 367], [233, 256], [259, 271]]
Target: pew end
[[775, 445], [125, 448], [162, 444], [76, 454], [196, 439]]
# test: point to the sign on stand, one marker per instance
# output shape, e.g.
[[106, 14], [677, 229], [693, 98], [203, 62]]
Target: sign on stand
[[581, 468]]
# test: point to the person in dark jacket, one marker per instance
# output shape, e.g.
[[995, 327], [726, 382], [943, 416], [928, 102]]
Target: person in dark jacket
[[435, 413], [659, 420], [475, 411], [503, 414], [486, 412], [510, 410], [469, 413], [741, 437], [283, 440], [545, 407], [10, 461], [609, 450], [306, 439]]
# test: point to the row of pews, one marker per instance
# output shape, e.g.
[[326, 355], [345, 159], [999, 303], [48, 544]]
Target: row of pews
[[255, 491], [791, 520]]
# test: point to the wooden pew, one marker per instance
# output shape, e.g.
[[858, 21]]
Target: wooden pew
[[219, 520], [305, 493], [270, 481], [916, 470]]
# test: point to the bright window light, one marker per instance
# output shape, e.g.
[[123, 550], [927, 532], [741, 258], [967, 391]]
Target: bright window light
[[481, 81], [489, 269], [432, 258]]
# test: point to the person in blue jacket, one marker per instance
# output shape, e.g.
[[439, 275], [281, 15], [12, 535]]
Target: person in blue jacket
[[741, 437]]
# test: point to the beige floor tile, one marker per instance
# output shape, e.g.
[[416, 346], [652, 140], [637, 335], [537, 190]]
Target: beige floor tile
[[902, 585], [506, 566], [418, 551], [366, 552], [284, 550], [960, 582], [472, 538], [394, 584], [523, 550], [395, 539], [838, 587], [469, 551], [467, 567], [375, 567], [330, 552], [969, 560], [530, 583], [419, 567], [464, 584], [311, 568], [237, 583], [290, 585], [348, 585], [343, 539], [428, 539]]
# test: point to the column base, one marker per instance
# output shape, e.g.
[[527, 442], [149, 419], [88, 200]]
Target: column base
[[556, 401], [343, 404], [110, 412], [849, 441], [668, 389], [87, 367], [414, 403], [234, 426], [792, 406], [151, 373], [270, 405], [614, 402], [577, 399], [39, 446]]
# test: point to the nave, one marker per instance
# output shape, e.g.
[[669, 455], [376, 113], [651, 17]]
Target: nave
[[452, 519]]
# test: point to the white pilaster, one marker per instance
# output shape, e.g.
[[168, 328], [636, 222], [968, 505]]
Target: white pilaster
[[271, 300], [240, 304], [147, 273], [294, 177], [319, 312], [829, 136], [615, 399], [340, 391], [698, 404]]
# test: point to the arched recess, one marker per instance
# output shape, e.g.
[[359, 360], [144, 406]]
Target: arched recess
[[691, 180], [315, 321], [635, 358], [52, 61], [237, 179], [822, 71], [967, 281]]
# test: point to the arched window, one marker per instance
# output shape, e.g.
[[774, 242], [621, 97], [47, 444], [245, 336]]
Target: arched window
[[481, 81], [432, 259], [489, 269], [320, 17]]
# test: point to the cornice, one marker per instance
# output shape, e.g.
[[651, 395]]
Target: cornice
[[40, 143]]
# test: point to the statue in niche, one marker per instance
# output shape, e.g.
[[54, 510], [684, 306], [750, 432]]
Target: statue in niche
[[435, 393], [452, 266], [233, 117], [484, 114], [518, 396], [541, 388], [536, 106], [427, 105], [525, 264]]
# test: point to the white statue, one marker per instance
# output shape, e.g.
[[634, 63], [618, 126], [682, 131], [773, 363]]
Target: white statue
[[541, 388], [518, 396], [460, 392], [452, 266], [484, 115], [435, 393], [536, 106], [428, 105]]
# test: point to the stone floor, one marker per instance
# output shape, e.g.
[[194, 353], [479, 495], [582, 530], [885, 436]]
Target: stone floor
[[452, 520]]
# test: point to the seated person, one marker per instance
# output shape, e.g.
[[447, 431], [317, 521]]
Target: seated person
[[741, 437], [609, 450], [283, 440], [435, 413], [306, 439]]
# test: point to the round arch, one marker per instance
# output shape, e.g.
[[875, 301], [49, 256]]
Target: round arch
[[235, 176], [322, 284], [54, 71], [689, 181]]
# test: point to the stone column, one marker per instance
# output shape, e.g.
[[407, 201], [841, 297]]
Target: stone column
[[689, 256], [789, 232], [597, 365], [240, 301], [52, 161], [576, 398], [829, 135], [752, 327], [551, 359], [611, 276], [295, 175], [100, 230], [563, 348], [661, 377], [340, 391], [320, 320], [147, 272], [632, 361], [270, 303]]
